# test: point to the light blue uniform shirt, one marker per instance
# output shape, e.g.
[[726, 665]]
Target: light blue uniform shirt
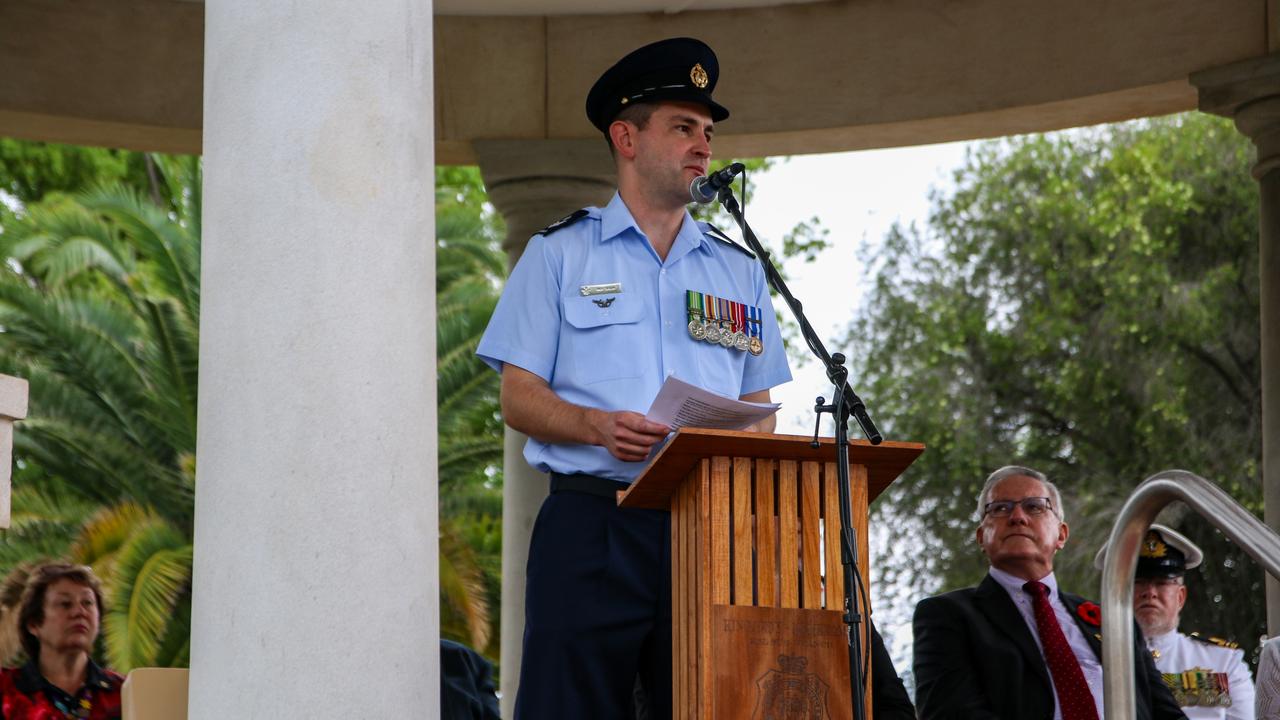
[[613, 351]]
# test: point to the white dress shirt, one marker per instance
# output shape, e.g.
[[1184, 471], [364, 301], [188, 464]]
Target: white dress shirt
[[1090, 665]]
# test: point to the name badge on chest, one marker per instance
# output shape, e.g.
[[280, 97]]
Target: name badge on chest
[[601, 289]]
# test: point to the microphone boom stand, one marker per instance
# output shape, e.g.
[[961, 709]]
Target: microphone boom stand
[[845, 403]]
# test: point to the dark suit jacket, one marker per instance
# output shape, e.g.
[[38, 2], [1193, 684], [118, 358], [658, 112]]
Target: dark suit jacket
[[889, 699], [466, 684], [975, 658]]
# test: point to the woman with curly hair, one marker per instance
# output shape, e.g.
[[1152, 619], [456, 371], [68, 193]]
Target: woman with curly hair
[[58, 622]]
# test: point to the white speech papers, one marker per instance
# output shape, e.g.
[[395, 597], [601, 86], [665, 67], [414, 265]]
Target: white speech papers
[[680, 404]]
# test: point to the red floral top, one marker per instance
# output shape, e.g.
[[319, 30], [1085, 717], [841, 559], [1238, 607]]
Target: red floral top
[[26, 695]]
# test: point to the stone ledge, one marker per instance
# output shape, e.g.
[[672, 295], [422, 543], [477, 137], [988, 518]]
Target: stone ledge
[[13, 397], [1225, 88]]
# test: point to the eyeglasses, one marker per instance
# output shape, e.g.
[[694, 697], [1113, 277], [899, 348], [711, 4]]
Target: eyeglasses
[[1032, 506]]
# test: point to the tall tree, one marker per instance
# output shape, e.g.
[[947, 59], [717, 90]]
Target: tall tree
[[1085, 303]]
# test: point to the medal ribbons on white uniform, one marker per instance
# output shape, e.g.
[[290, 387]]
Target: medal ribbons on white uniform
[[1199, 687], [1204, 675], [727, 323]]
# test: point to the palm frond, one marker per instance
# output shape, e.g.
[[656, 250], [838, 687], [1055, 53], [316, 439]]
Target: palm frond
[[60, 240], [103, 534], [152, 571], [173, 254], [461, 590]]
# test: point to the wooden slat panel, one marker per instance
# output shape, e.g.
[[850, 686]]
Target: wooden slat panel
[[720, 530], [831, 537], [680, 626], [858, 506], [788, 536], [743, 547], [702, 609], [691, 635], [766, 536], [810, 511]]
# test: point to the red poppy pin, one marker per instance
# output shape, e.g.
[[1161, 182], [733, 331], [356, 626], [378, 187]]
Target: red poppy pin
[[1090, 613]]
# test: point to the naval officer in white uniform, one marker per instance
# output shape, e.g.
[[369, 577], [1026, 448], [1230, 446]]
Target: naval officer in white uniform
[[1207, 675]]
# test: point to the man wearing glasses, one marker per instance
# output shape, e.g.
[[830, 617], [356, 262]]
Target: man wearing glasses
[[1208, 676], [1016, 647]]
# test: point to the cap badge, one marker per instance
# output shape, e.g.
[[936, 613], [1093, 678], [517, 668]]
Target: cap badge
[[1153, 546], [698, 76]]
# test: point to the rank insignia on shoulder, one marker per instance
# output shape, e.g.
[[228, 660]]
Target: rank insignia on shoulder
[[564, 222], [1214, 641], [714, 233]]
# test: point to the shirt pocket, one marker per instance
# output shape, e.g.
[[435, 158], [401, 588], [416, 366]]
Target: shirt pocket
[[604, 336], [720, 368]]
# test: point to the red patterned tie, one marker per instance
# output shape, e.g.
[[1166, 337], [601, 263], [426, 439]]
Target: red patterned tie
[[1073, 692]]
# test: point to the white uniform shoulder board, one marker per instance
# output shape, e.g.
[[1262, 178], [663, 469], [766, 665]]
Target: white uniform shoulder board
[[1214, 641]]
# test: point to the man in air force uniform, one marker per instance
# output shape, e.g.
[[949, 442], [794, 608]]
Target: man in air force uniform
[[602, 307]]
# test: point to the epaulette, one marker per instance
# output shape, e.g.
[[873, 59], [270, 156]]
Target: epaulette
[[564, 222], [1214, 641], [713, 232]]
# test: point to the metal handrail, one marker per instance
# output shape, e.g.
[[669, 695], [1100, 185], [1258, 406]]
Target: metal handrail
[[1157, 491]]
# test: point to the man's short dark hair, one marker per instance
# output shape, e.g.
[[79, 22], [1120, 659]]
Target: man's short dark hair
[[637, 114], [31, 611]]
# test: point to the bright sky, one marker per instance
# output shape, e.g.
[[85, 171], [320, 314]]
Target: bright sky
[[857, 196]]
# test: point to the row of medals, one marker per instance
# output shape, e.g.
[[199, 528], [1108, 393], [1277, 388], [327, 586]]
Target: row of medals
[[1199, 688], [722, 334]]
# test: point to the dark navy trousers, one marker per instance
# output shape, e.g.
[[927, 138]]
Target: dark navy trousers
[[597, 612]]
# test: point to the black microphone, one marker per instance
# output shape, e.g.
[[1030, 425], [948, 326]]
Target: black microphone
[[705, 188]]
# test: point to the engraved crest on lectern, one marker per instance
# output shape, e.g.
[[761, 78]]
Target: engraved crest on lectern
[[790, 692]]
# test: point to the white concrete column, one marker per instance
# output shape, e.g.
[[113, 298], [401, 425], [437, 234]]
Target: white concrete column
[[1249, 93], [532, 183], [13, 406], [315, 536]]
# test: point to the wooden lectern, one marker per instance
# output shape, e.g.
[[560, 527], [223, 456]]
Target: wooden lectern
[[757, 589]]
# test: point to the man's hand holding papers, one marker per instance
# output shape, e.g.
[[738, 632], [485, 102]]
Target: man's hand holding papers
[[680, 404]]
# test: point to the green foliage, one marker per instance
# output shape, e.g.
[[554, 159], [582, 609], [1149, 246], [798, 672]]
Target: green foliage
[[150, 578], [99, 310], [470, 269], [1085, 303], [32, 171], [45, 520]]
